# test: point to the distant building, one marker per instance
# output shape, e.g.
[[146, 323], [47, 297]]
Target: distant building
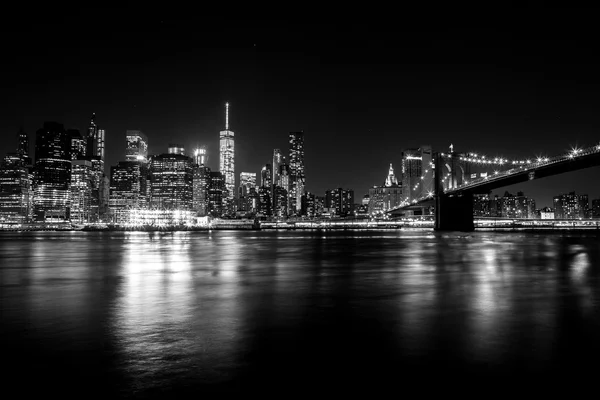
[[81, 190], [95, 153], [596, 208], [78, 144], [200, 189], [171, 177], [481, 205], [546, 213], [201, 156], [385, 197], [264, 201], [278, 159], [16, 195], [309, 205], [570, 206], [52, 182], [280, 202], [266, 176], [246, 192], [417, 173], [215, 194], [340, 201], [136, 145], [297, 172], [128, 189]]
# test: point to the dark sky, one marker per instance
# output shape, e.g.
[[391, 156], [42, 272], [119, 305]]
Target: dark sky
[[362, 88]]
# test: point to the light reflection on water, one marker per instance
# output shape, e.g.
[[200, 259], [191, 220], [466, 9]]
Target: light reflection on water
[[190, 310]]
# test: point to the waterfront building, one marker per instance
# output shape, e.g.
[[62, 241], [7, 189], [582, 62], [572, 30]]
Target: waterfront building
[[16, 196], [385, 197], [215, 194], [309, 207], [297, 172], [340, 201], [570, 206], [52, 174], [596, 208], [246, 192], [280, 202], [95, 153], [200, 190], [264, 201], [128, 189], [546, 213], [81, 190], [227, 161], [136, 145], [481, 205], [171, 177]]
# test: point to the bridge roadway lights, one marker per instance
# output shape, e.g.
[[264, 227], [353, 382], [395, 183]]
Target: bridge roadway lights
[[454, 212]]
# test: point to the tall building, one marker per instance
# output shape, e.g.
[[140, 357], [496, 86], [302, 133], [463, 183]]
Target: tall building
[[297, 172], [128, 189], [95, 153], [23, 146], [570, 206], [136, 145], [264, 201], [265, 176], [16, 196], [201, 155], [417, 173], [596, 208], [227, 160], [308, 205], [201, 187], [280, 202], [52, 182], [481, 205], [340, 201], [215, 194], [385, 197], [81, 190], [247, 192], [277, 160], [78, 144], [171, 177]]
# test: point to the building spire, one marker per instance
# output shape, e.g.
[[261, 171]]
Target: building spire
[[226, 116]]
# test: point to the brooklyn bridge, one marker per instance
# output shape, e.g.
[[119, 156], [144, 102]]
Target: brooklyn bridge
[[453, 178]]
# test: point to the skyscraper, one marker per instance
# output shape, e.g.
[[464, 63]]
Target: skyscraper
[[297, 177], [200, 155], [81, 190], [277, 160], [201, 187], [137, 145], [23, 146], [265, 176], [52, 173], [171, 177], [95, 153], [128, 181], [227, 160], [388, 196], [247, 192], [78, 144]]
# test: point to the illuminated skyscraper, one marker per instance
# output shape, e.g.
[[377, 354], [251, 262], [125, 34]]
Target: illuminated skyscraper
[[171, 177], [297, 173], [201, 187], [388, 196], [52, 182], [277, 160], [215, 194], [201, 156], [227, 160], [137, 145], [247, 192], [78, 144], [81, 190], [23, 146], [417, 173], [16, 196], [95, 154], [265, 176], [128, 181], [340, 201]]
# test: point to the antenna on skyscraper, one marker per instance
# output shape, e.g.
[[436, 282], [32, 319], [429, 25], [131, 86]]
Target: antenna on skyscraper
[[226, 116]]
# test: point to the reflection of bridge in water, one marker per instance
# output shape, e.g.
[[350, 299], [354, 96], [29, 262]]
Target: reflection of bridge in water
[[457, 177]]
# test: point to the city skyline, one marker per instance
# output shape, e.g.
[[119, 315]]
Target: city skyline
[[364, 93]]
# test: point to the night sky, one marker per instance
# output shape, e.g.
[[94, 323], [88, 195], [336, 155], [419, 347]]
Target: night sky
[[361, 89]]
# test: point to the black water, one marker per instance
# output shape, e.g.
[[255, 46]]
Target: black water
[[281, 313]]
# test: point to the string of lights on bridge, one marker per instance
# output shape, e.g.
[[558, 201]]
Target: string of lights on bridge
[[482, 159]]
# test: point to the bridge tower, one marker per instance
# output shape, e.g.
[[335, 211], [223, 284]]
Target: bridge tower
[[452, 212]]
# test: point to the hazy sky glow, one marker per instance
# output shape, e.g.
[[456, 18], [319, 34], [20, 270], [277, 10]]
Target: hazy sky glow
[[360, 91]]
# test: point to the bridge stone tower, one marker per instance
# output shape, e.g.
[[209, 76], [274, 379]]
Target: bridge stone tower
[[452, 212]]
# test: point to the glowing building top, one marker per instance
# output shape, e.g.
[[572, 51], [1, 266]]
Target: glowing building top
[[391, 178]]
